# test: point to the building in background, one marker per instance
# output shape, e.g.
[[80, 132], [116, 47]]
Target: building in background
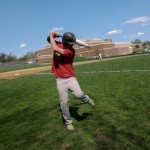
[[106, 48]]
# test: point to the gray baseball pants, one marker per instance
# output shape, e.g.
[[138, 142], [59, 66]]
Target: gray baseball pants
[[63, 86]]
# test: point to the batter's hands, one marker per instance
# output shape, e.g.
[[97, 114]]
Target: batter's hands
[[54, 34]]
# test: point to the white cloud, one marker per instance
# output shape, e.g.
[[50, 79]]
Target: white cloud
[[23, 45], [114, 32], [144, 20], [140, 33], [137, 35], [57, 29]]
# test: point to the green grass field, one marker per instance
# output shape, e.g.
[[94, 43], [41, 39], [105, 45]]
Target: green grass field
[[30, 116]]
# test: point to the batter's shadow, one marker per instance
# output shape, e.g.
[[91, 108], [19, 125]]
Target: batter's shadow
[[74, 113]]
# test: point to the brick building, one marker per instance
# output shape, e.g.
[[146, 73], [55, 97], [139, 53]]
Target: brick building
[[106, 48]]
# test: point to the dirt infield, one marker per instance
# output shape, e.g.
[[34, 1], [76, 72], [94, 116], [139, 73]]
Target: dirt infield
[[25, 72]]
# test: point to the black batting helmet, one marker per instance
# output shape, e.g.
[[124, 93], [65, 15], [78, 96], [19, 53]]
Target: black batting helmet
[[68, 38]]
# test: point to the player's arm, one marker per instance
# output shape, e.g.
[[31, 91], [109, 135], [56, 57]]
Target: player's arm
[[53, 43]]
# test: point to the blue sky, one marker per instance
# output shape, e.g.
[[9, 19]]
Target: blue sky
[[25, 24]]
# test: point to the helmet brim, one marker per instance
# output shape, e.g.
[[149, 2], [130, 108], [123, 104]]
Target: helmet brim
[[71, 43]]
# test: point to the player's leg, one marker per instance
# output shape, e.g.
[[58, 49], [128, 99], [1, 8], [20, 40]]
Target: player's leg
[[76, 90], [63, 97]]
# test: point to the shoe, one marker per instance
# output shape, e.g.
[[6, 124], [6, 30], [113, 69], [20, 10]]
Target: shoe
[[91, 102], [70, 127]]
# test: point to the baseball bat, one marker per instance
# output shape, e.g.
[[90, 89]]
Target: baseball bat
[[81, 43]]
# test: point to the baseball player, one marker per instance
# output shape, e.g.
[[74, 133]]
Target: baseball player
[[62, 67]]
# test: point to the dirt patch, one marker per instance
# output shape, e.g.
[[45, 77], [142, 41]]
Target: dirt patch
[[23, 72]]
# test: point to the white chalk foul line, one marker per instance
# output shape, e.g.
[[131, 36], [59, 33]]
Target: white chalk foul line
[[104, 71], [114, 71]]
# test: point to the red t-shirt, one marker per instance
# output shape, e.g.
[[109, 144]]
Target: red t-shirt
[[62, 66]]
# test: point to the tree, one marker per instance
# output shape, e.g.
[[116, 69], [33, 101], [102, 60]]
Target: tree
[[3, 57], [146, 44], [137, 41], [27, 56], [11, 58], [23, 58], [30, 55]]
